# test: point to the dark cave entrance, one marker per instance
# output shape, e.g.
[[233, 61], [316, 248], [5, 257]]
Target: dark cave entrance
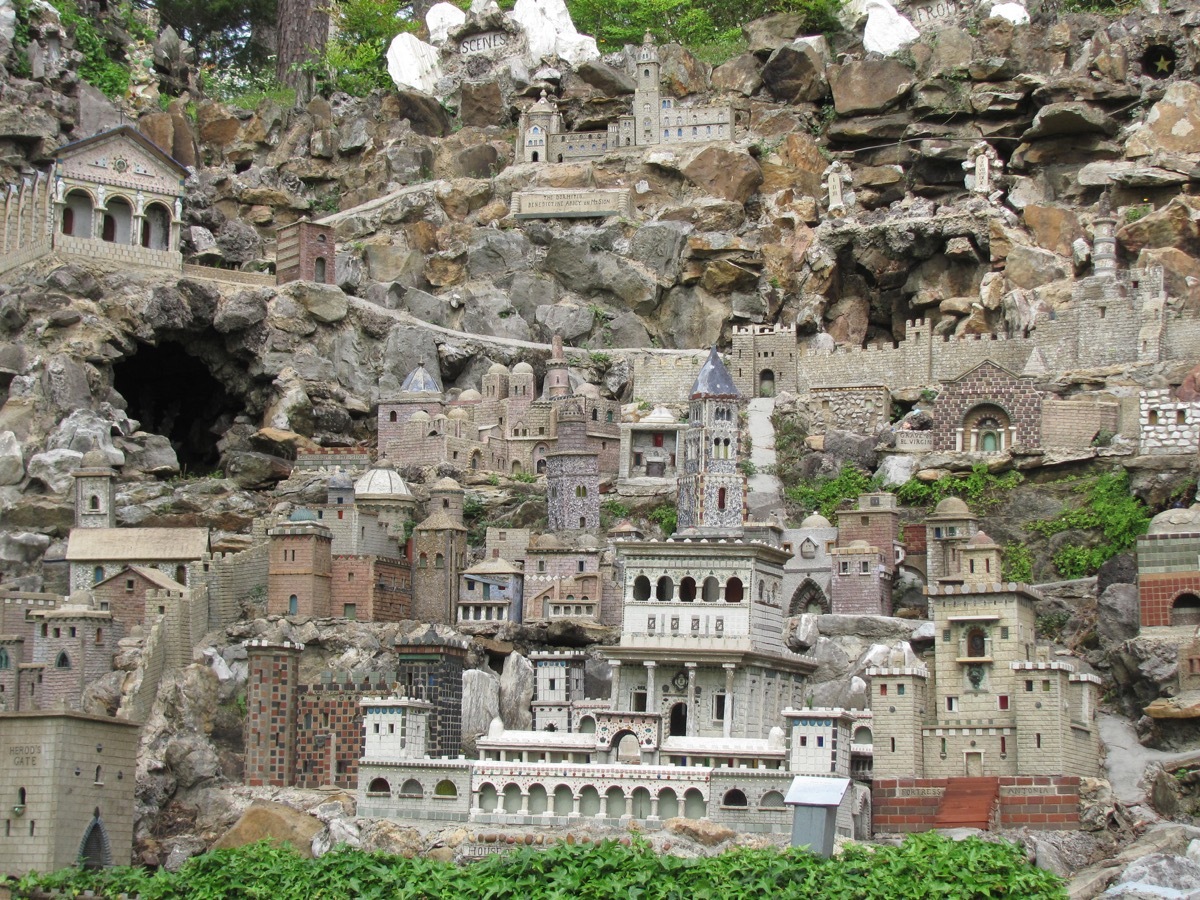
[[173, 394]]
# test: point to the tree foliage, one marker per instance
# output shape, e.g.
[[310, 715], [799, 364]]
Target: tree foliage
[[222, 31]]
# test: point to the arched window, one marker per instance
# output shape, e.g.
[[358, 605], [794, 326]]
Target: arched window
[[733, 590], [687, 589], [976, 643], [4, 663], [411, 788], [93, 502], [156, 227], [445, 788], [62, 661], [721, 498], [392, 416], [20, 796], [293, 605], [712, 589], [319, 270], [595, 415], [733, 797], [665, 590], [77, 215], [97, 574], [439, 561], [771, 800], [641, 588], [379, 786], [118, 221], [423, 561], [1186, 610]]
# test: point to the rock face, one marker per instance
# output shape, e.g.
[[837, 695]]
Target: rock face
[[1172, 125], [480, 703], [551, 33]]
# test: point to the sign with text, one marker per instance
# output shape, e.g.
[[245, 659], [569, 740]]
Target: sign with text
[[569, 204], [483, 43]]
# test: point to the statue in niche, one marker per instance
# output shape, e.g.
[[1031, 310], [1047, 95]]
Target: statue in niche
[[983, 168], [838, 181]]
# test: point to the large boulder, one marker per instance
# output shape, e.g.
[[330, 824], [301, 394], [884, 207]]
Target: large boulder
[[85, 430], [480, 704], [1171, 226], [53, 469], [516, 693], [550, 32], [266, 820], [795, 73], [12, 463], [869, 85], [1118, 613], [1069, 118], [739, 75], [1172, 125], [413, 64], [725, 173]]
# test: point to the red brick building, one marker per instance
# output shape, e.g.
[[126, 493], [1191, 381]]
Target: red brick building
[[125, 593], [987, 409]]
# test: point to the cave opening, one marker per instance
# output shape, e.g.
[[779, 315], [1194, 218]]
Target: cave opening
[[172, 393]]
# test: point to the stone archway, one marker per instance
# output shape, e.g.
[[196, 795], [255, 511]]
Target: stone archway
[[987, 428], [94, 849], [766, 383], [1185, 610], [808, 598]]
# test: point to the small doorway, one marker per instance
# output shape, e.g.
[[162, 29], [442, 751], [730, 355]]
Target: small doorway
[[974, 759], [319, 270], [766, 383], [679, 720], [535, 156], [94, 851]]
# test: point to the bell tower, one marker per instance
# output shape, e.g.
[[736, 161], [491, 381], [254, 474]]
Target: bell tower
[[647, 96], [712, 489]]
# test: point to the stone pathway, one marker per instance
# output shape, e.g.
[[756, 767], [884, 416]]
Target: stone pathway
[[766, 493], [1126, 759]]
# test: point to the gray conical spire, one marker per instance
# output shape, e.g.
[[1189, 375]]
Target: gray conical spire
[[714, 379]]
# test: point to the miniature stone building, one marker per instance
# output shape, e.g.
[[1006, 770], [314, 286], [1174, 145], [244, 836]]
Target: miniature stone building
[[987, 410], [309, 734], [807, 575], [711, 487], [96, 550], [652, 120], [572, 474], [505, 428], [118, 198], [990, 721], [704, 706], [1168, 559], [68, 784], [650, 449], [865, 561], [491, 591], [1167, 425], [304, 252], [568, 576], [124, 594]]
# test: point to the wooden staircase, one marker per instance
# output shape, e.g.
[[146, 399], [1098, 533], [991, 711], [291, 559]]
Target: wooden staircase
[[967, 803]]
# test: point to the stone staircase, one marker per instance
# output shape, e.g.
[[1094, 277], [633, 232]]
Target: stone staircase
[[967, 803], [765, 491]]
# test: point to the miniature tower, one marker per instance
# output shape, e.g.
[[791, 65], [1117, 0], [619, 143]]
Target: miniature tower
[[980, 560], [572, 474], [339, 491], [711, 489], [898, 712], [558, 379], [946, 531], [394, 728], [271, 708], [535, 127], [1104, 240], [439, 553], [300, 567], [94, 492], [305, 253], [647, 98]]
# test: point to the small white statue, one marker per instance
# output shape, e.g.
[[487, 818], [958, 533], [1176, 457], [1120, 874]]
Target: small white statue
[[838, 180], [983, 166]]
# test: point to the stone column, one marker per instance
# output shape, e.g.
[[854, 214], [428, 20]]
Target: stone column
[[653, 806], [958, 439], [693, 712], [653, 701], [524, 803], [729, 670], [616, 686]]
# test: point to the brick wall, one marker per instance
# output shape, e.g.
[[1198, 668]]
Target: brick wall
[[271, 714], [1072, 424], [379, 589], [126, 597], [305, 252], [988, 384], [1037, 802]]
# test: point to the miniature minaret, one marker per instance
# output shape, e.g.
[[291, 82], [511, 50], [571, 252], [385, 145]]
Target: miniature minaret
[[711, 488], [558, 378], [94, 492], [1104, 240], [572, 474]]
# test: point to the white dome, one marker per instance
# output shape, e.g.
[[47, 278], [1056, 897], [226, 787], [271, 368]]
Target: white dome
[[816, 520], [381, 483], [522, 368], [470, 395]]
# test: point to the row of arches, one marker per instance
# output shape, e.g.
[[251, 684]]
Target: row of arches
[[710, 592], [614, 803], [117, 222], [412, 789]]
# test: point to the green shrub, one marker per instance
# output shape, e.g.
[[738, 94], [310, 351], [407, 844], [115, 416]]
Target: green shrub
[[1110, 508], [978, 487], [923, 866], [1016, 563], [825, 495], [665, 516], [98, 68]]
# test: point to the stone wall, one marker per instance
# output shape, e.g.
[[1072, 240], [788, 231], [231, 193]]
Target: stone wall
[[1073, 424], [229, 276], [1167, 425], [118, 255], [863, 410]]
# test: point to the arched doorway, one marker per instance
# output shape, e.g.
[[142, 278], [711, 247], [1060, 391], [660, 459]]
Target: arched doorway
[[668, 804], [808, 598], [94, 851], [1186, 610], [678, 726], [118, 221], [627, 751], [694, 806], [319, 275], [156, 228], [77, 215], [986, 429], [733, 590], [766, 383], [534, 158]]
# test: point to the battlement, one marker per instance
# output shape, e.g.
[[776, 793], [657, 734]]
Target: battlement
[[778, 328], [260, 644], [166, 594], [896, 671]]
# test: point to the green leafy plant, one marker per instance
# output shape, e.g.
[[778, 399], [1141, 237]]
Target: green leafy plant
[[1016, 563], [923, 866], [1103, 438], [99, 68], [1051, 625], [494, 479], [979, 488], [825, 495], [1134, 213], [1109, 508], [524, 477], [747, 468], [355, 60], [665, 516]]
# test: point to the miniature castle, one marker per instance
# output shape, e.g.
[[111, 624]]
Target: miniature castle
[[652, 120]]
